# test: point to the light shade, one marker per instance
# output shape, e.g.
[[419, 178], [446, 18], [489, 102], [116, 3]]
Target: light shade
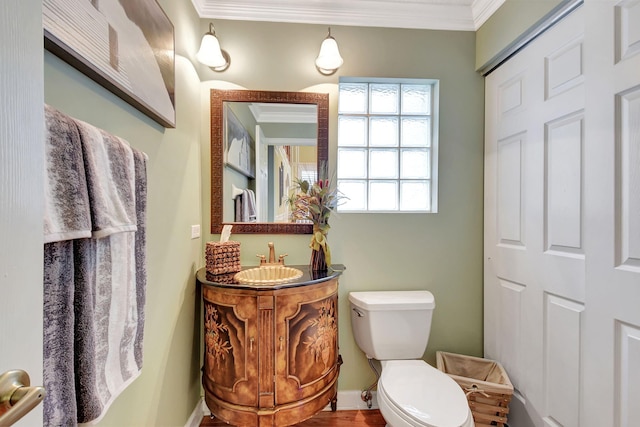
[[210, 53], [329, 59]]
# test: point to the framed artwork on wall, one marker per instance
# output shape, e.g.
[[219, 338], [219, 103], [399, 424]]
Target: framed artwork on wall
[[126, 46], [239, 147]]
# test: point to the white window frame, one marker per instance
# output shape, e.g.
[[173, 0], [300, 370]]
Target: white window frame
[[433, 179]]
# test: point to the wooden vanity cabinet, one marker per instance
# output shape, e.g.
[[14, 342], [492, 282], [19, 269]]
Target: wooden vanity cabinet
[[271, 355]]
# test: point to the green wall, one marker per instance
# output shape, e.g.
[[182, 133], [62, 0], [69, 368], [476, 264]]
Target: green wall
[[168, 389], [440, 252], [512, 19]]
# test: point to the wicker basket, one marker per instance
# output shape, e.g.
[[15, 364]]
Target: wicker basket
[[223, 257], [484, 381]]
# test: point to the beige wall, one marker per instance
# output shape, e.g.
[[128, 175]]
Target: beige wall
[[169, 387], [440, 252]]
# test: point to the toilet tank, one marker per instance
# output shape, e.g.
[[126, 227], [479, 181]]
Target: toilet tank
[[392, 325]]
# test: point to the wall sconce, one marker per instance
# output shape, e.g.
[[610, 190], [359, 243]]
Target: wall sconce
[[329, 59], [210, 53]]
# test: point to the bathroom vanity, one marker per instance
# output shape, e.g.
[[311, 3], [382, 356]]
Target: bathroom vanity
[[270, 351]]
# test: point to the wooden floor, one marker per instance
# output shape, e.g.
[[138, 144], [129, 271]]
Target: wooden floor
[[326, 419]]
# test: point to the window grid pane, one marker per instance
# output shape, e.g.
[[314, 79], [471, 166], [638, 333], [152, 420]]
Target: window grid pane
[[384, 131], [415, 164], [391, 171], [383, 195], [415, 196], [353, 98], [383, 164], [416, 131], [416, 99], [352, 163], [352, 131], [355, 192], [384, 98]]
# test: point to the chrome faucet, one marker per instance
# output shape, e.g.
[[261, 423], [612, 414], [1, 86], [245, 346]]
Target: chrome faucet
[[272, 257]]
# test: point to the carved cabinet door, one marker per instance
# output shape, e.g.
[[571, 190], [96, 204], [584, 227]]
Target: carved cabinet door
[[231, 346], [306, 341]]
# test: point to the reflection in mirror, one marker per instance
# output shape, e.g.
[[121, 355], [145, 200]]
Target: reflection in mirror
[[267, 147], [261, 142]]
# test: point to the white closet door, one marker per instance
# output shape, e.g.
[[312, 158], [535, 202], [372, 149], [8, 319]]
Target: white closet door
[[612, 343], [562, 220]]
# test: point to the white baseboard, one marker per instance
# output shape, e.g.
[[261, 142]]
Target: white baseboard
[[348, 400], [198, 413]]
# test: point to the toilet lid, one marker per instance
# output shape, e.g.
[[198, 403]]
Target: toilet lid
[[428, 396]]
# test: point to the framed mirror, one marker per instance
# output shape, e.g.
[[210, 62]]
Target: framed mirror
[[255, 150]]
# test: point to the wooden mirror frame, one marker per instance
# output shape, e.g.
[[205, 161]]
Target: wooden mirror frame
[[218, 98]]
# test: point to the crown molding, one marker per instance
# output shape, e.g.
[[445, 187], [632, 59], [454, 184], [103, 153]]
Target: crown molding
[[459, 15], [483, 9]]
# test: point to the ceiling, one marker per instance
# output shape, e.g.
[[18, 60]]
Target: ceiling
[[461, 15]]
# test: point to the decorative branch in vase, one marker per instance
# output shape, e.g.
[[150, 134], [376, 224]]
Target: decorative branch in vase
[[322, 199]]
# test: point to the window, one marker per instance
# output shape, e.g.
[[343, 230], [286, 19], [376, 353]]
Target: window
[[387, 145]]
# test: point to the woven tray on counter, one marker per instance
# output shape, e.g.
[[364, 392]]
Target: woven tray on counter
[[223, 257]]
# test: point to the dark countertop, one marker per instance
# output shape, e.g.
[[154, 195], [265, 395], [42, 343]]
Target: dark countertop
[[308, 278]]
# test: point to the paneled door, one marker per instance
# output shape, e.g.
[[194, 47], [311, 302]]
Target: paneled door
[[562, 220], [611, 349]]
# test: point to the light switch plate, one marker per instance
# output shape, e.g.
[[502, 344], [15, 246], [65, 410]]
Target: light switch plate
[[195, 231]]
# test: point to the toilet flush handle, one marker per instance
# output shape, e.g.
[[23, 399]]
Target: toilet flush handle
[[358, 312]]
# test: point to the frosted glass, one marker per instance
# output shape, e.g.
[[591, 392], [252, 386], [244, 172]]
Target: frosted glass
[[355, 195], [416, 132], [383, 195], [352, 98], [383, 164], [415, 164], [384, 98], [415, 196], [352, 163], [385, 141], [352, 131], [416, 99], [384, 132]]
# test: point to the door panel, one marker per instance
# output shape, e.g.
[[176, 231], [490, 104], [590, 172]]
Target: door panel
[[534, 187], [230, 370], [307, 343]]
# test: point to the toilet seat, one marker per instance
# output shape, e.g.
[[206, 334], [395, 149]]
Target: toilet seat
[[413, 393]]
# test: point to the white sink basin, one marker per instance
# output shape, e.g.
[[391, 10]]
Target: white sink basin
[[268, 275]]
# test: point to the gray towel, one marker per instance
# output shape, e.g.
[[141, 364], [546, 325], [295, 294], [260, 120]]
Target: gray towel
[[108, 162], [66, 198], [95, 287], [140, 163], [59, 319]]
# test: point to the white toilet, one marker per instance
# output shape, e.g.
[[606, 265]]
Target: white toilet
[[393, 327]]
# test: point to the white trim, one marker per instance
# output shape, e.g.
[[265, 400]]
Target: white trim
[[307, 142], [199, 412], [350, 400], [481, 10], [432, 14]]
